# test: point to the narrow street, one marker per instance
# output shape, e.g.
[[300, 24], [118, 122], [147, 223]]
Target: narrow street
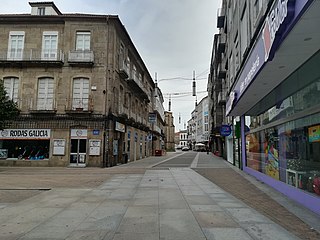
[[183, 195]]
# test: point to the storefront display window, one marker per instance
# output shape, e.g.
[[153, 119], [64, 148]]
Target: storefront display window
[[284, 138], [25, 144], [27, 149], [289, 152]]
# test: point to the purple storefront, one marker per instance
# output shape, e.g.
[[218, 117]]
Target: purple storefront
[[277, 96]]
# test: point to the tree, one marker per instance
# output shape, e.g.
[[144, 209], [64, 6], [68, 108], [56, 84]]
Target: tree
[[8, 108]]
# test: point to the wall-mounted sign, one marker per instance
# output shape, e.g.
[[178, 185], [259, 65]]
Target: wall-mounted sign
[[25, 134], [94, 147], [282, 12], [225, 130], [59, 146], [95, 132], [115, 147], [79, 133], [120, 127]]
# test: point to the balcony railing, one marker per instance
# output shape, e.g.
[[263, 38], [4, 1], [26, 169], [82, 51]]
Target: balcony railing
[[32, 55], [221, 98], [81, 57], [79, 105], [42, 105], [123, 69], [137, 86], [221, 43], [220, 18], [221, 70]]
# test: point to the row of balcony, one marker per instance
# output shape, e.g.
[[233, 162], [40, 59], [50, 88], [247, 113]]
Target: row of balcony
[[53, 56], [73, 106], [47, 105], [133, 80]]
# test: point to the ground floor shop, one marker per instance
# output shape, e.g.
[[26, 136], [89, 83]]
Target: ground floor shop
[[92, 144], [282, 147]]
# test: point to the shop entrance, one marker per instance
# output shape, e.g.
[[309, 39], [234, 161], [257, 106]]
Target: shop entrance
[[78, 148]]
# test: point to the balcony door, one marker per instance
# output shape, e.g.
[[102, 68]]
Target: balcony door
[[16, 44], [11, 85], [49, 46], [80, 95], [45, 94]]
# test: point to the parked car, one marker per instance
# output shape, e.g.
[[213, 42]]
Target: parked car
[[185, 148]]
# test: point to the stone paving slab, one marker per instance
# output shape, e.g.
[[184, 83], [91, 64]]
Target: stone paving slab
[[169, 204]]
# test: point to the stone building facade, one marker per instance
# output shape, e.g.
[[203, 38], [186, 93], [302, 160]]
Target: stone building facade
[[84, 92]]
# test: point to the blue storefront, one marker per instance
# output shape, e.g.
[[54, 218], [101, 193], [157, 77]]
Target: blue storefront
[[277, 96]]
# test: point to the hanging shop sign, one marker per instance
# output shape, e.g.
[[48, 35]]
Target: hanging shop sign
[[225, 130], [25, 134], [120, 127], [152, 117]]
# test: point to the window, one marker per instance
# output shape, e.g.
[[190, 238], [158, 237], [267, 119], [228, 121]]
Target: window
[[244, 31], [80, 94], [257, 7], [41, 11], [49, 45], [15, 46], [11, 85], [45, 94], [83, 41]]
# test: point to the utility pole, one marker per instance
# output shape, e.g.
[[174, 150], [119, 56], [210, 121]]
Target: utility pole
[[194, 84]]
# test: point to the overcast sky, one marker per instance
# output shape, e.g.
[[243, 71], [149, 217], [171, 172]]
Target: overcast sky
[[173, 37]]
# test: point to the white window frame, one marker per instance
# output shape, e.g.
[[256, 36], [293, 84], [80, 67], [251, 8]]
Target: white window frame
[[51, 52], [82, 102], [41, 11], [13, 89], [16, 50], [47, 102], [83, 46]]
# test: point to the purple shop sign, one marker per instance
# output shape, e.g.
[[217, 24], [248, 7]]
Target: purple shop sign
[[280, 20]]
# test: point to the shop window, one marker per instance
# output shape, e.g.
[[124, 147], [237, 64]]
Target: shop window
[[289, 152], [27, 149]]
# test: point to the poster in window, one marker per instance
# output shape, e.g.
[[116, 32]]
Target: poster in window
[[3, 153], [94, 147], [59, 146], [314, 134]]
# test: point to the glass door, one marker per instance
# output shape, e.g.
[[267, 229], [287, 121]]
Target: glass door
[[78, 152]]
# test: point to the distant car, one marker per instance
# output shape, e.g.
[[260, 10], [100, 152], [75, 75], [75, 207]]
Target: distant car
[[185, 149]]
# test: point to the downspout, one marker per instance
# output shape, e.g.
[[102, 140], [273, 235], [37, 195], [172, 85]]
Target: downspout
[[106, 117]]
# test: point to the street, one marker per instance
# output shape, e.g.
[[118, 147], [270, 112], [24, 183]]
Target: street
[[183, 195]]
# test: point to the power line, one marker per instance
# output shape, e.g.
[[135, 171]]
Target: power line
[[181, 93]]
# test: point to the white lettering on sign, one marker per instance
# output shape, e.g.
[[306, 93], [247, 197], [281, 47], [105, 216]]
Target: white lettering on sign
[[250, 74]]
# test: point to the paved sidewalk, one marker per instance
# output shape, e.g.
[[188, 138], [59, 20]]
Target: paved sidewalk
[[147, 203]]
